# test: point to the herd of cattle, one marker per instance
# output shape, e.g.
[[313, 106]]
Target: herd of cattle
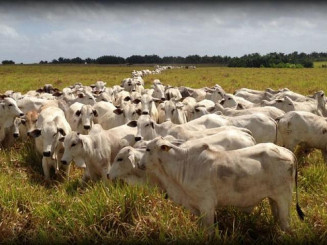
[[204, 147]]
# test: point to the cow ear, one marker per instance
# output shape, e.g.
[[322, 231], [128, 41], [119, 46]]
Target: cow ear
[[288, 100], [139, 112], [61, 131], [165, 147], [132, 124], [136, 101], [35, 133], [23, 121], [95, 113], [132, 159], [62, 139], [211, 109], [118, 111], [78, 113], [57, 94]]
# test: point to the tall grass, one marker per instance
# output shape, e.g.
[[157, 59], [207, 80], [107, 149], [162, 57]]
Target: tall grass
[[34, 211]]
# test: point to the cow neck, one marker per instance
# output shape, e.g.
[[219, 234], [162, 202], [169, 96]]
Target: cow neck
[[160, 129], [175, 181]]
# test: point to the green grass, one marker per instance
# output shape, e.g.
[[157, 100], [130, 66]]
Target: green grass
[[32, 210]]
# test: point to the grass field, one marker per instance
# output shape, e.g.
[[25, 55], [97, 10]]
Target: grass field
[[68, 212]]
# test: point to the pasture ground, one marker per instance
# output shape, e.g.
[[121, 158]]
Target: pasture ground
[[32, 210]]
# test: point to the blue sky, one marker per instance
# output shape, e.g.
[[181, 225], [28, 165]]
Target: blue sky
[[30, 32]]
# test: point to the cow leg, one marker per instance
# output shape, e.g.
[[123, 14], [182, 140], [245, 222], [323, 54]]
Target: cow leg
[[274, 209], [283, 205], [207, 217], [46, 168]]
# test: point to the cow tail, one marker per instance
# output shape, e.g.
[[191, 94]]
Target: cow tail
[[298, 208]]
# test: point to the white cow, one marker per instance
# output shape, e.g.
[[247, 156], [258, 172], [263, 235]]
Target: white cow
[[174, 112], [95, 151], [51, 125], [202, 178], [263, 128], [232, 101], [300, 127], [8, 112], [254, 96], [270, 111], [287, 104]]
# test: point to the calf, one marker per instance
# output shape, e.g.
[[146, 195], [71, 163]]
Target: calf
[[96, 151]]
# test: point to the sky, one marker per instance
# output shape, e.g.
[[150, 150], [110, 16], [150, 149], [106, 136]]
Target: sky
[[34, 31]]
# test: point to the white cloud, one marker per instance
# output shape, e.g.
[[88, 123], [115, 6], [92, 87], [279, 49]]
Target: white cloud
[[8, 32]]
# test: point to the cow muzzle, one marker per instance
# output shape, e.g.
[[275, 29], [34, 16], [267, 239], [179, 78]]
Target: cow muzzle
[[138, 138]]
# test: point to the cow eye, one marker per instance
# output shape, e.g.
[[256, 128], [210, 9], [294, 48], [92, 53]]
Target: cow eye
[[90, 98], [147, 149], [10, 105], [119, 159], [73, 144], [172, 111], [147, 125], [229, 98]]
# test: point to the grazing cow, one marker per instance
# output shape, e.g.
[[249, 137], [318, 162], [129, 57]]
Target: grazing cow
[[202, 178], [305, 128], [95, 151]]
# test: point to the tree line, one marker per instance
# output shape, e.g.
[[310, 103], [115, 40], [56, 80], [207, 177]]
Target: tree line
[[279, 60]]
